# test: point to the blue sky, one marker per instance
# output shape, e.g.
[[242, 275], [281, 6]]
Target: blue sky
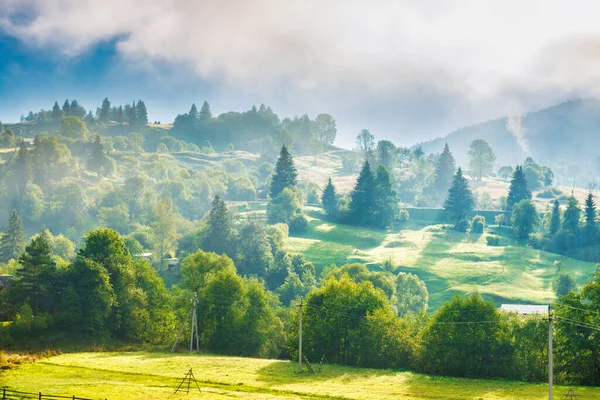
[[408, 71]]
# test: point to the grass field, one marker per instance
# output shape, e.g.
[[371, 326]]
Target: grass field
[[449, 262], [129, 376]]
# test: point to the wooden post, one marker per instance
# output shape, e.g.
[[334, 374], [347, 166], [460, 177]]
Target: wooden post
[[40, 396], [300, 339], [550, 372]]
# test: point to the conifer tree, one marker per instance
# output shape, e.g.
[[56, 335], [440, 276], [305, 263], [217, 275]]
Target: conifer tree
[[22, 169], [193, 112], [205, 113], [77, 110], [571, 216], [444, 171], [590, 219], [329, 199], [120, 115], [97, 157], [13, 239], [57, 113], [67, 108], [89, 118], [518, 189], [219, 232], [105, 110], [555, 219], [141, 114], [362, 198], [34, 275], [386, 200], [460, 198], [285, 173]]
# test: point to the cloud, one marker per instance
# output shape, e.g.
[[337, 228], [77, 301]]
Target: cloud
[[505, 55]]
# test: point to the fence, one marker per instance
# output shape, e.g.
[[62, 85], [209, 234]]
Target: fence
[[14, 395]]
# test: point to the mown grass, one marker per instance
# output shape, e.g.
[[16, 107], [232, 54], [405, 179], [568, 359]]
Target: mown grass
[[129, 376], [449, 262]]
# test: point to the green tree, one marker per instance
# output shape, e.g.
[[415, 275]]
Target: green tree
[[456, 343], [141, 114], [362, 198], [505, 171], [365, 142], [286, 205], [411, 294], [67, 108], [315, 146], [591, 230], [22, 170], [285, 175], [193, 113], [165, 227], [105, 111], [324, 129], [97, 158], [387, 154], [386, 200], [254, 255], [563, 284], [481, 158], [459, 202], [329, 199], [572, 216], [197, 268], [205, 113], [518, 189], [444, 171], [73, 127], [56, 114], [524, 218], [13, 240], [418, 152], [555, 218], [219, 236]]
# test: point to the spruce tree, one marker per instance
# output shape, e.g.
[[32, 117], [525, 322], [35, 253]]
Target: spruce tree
[[35, 273], [205, 113], [285, 173], [571, 216], [141, 114], [22, 170], [555, 219], [219, 232], [386, 200], [97, 157], [362, 198], [13, 239], [120, 115], [57, 113], [444, 171], [193, 112], [105, 110], [329, 199], [460, 198], [67, 108], [518, 189], [591, 230]]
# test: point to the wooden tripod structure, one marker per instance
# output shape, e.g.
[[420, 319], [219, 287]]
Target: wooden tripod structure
[[194, 327]]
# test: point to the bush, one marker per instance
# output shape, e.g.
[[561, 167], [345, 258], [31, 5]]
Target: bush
[[403, 216], [478, 224], [462, 226], [298, 223], [493, 240]]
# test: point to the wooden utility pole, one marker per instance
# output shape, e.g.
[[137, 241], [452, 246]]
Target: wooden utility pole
[[194, 327], [300, 338], [550, 372]]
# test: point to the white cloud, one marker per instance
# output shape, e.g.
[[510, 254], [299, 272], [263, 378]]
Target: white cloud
[[497, 52]]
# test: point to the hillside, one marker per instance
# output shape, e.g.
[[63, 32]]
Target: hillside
[[558, 136], [148, 376]]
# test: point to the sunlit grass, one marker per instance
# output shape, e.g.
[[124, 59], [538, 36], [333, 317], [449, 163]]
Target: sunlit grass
[[129, 376]]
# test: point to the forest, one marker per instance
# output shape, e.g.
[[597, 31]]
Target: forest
[[111, 224]]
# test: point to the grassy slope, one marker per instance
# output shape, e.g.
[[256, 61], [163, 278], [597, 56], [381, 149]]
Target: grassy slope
[[128, 376], [449, 262]]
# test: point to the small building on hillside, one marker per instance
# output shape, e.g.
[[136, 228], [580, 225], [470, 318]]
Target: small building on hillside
[[525, 309], [4, 281]]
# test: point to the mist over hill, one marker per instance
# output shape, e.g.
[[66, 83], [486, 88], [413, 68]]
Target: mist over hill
[[564, 136]]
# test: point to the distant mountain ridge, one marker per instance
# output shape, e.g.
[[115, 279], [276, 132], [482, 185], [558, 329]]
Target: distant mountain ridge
[[558, 136]]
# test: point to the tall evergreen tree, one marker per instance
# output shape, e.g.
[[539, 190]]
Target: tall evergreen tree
[[362, 198], [518, 189], [193, 112], [77, 110], [205, 113], [67, 108], [13, 239], [141, 114], [34, 276], [444, 172], [120, 115], [460, 198], [105, 110], [329, 199], [130, 114], [591, 230], [386, 199], [285, 173], [89, 118], [97, 156], [219, 232], [571, 216], [57, 113], [22, 170], [555, 219]]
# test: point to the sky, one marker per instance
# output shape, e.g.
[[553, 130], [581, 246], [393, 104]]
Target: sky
[[408, 71]]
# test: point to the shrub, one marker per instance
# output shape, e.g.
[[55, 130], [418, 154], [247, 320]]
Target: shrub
[[478, 224], [403, 216], [500, 219], [493, 240], [462, 226], [545, 194], [298, 223]]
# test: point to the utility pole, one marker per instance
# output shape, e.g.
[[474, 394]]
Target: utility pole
[[194, 327], [300, 339], [550, 353]]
